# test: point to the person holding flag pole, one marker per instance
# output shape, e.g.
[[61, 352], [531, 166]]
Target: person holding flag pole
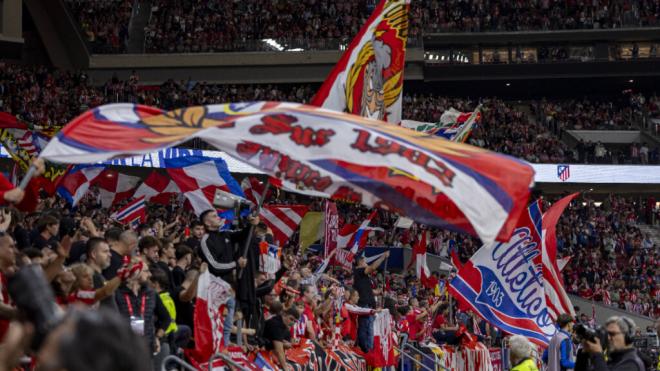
[[362, 284]]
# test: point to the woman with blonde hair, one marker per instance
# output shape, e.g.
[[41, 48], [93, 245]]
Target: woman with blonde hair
[[521, 354]]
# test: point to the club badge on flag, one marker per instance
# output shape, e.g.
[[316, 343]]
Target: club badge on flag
[[368, 79]]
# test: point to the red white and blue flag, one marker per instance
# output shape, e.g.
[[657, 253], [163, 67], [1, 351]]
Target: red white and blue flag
[[198, 178], [134, 213], [157, 188], [77, 181], [433, 181], [503, 282]]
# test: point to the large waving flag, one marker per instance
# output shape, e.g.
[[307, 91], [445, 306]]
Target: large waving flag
[[556, 297], [431, 180], [368, 79], [198, 178], [283, 220], [157, 188], [77, 181], [503, 282], [115, 187]]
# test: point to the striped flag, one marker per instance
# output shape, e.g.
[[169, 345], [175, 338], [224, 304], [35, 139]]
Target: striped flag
[[253, 189], [556, 297], [283, 220], [135, 212]]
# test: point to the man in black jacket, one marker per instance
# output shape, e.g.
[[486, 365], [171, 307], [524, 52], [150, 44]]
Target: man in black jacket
[[222, 250], [622, 354]]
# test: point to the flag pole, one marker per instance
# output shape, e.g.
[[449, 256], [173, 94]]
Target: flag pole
[[28, 176], [251, 232]]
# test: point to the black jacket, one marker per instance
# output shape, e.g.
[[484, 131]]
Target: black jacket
[[624, 360], [221, 250], [155, 314]]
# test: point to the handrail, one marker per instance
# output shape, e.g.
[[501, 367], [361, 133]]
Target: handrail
[[227, 360], [404, 354], [419, 351], [179, 361]]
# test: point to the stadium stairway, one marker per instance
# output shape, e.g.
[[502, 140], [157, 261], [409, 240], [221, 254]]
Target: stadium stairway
[[139, 20], [653, 231]]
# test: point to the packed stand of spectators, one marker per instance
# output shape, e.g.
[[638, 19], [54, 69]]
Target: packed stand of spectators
[[177, 26], [503, 128], [214, 26], [626, 113], [103, 23], [52, 98], [147, 278], [483, 16], [611, 260]]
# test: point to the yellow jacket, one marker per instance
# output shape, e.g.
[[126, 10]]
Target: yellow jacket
[[526, 365]]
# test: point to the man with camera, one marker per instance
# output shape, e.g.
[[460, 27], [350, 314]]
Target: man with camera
[[622, 355]]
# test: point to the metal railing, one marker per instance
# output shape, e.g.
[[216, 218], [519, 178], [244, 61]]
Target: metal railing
[[227, 361], [174, 359]]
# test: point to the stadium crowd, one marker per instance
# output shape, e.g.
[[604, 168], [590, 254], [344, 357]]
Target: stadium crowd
[[52, 98], [214, 26], [93, 262]]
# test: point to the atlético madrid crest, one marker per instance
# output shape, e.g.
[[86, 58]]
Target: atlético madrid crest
[[563, 172]]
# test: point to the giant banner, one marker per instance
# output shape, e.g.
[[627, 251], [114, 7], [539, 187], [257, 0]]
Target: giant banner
[[431, 180]]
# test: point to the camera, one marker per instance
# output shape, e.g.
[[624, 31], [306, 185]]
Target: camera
[[35, 301], [584, 332]]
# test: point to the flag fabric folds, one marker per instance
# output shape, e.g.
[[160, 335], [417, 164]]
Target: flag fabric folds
[[212, 296], [77, 181], [157, 188], [283, 220], [433, 181], [557, 300], [454, 125], [134, 213], [253, 188], [198, 178], [421, 267], [368, 79], [115, 187], [503, 282]]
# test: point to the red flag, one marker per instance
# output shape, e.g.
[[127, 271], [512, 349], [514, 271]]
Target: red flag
[[135, 212], [556, 298], [421, 268]]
